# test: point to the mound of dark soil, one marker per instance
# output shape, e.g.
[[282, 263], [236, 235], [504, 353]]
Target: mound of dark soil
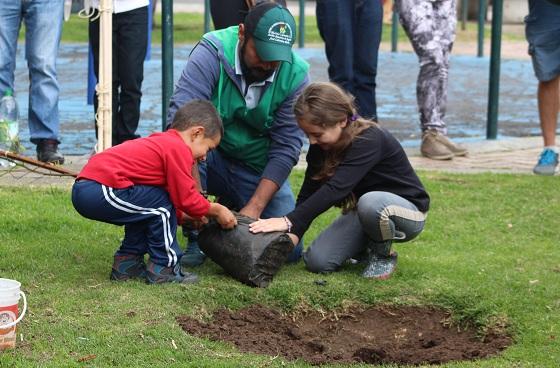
[[403, 335]]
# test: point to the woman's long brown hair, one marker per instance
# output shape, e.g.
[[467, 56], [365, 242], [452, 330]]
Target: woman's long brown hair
[[325, 104]]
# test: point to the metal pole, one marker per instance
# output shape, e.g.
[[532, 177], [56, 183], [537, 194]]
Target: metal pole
[[301, 38], [394, 30], [464, 9], [494, 86], [481, 21], [206, 16], [167, 57]]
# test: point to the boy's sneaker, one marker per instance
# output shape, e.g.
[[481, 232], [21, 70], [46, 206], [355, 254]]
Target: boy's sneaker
[[128, 267], [548, 163], [193, 256], [158, 274], [380, 267]]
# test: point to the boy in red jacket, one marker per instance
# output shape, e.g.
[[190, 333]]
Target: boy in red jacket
[[146, 184]]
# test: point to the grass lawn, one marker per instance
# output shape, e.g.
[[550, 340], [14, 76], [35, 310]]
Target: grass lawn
[[489, 254], [189, 27]]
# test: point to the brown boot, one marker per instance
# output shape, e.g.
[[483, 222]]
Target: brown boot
[[457, 149], [434, 147]]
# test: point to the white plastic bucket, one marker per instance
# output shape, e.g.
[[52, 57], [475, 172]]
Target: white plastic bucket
[[9, 299]]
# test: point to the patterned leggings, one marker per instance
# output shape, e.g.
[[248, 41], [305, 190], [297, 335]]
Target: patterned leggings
[[430, 26]]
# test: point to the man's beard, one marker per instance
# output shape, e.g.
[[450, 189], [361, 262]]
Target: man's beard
[[252, 75]]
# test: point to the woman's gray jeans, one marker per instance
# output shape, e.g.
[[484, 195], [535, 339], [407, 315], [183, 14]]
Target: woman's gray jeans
[[380, 219]]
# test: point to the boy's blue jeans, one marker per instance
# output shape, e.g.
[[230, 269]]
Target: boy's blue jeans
[[149, 218], [234, 184], [43, 28]]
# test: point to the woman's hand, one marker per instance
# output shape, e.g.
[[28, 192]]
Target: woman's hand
[[269, 225]]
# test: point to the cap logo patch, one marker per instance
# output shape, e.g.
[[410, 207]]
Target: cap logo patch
[[280, 32]]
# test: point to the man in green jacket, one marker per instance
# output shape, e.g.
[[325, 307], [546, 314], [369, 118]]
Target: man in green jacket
[[252, 77]]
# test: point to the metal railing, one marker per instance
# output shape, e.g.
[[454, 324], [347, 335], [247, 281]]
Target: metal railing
[[495, 58]]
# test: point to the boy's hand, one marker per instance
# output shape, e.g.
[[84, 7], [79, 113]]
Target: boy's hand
[[223, 215], [192, 223]]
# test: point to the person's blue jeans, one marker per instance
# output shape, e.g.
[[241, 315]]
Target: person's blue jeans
[[543, 34], [43, 28], [351, 30], [234, 184]]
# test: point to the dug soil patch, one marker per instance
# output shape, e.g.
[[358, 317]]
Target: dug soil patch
[[403, 335]]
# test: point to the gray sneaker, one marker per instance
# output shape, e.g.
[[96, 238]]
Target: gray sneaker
[[434, 147]]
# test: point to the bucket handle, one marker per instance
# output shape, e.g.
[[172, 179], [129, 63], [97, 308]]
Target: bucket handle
[[11, 324]]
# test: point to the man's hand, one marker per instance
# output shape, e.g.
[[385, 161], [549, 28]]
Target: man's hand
[[258, 202], [251, 211]]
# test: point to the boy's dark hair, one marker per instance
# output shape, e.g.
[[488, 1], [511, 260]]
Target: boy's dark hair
[[198, 113]]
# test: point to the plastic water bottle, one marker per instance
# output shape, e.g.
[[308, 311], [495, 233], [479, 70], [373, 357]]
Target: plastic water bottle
[[9, 125]]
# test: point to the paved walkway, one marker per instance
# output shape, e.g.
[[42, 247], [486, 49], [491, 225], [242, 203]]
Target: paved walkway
[[516, 150], [512, 155]]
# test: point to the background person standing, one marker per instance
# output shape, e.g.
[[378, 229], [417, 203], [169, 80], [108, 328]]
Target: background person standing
[[43, 29], [430, 26], [351, 30], [543, 35], [130, 40]]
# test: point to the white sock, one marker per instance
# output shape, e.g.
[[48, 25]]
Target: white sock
[[554, 148]]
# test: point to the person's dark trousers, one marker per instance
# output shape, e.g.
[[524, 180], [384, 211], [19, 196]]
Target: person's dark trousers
[[130, 38], [351, 30], [148, 216], [227, 13]]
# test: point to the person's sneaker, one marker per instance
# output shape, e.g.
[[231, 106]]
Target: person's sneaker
[[193, 256], [457, 149], [158, 274], [548, 163], [47, 151], [380, 267], [433, 146], [128, 267]]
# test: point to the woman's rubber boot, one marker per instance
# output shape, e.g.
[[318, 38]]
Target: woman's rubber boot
[[381, 262]]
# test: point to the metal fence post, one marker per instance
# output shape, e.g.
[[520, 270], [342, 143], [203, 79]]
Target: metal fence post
[[394, 30], [494, 85], [301, 38], [206, 16], [167, 57], [464, 10], [481, 22]]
